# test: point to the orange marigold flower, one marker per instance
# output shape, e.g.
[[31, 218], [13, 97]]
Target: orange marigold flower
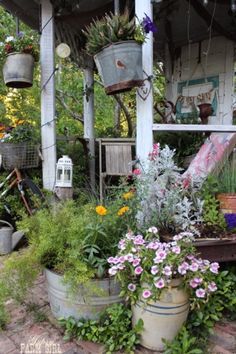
[[123, 210], [101, 210], [128, 195]]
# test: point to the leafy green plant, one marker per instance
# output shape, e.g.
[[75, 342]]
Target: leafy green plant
[[194, 335], [21, 133], [227, 177], [22, 43], [186, 344], [211, 213], [113, 329]]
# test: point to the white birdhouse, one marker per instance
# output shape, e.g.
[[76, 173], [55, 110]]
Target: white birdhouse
[[64, 172]]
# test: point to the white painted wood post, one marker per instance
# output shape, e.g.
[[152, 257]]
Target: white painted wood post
[[89, 121], [144, 135], [48, 133]]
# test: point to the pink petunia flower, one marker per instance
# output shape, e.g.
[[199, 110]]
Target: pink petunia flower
[[146, 294], [138, 270], [154, 270], [132, 287], [136, 262], [193, 267], [160, 283], [176, 249], [214, 267], [167, 271], [200, 293], [112, 271], [212, 287]]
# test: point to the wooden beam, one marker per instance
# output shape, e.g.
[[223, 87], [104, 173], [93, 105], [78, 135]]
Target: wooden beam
[[144, 96], [207, 17], [48, 133], [89, 121], [194, 128]]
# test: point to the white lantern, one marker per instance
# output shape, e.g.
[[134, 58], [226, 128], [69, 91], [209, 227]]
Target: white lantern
[[64, 172]]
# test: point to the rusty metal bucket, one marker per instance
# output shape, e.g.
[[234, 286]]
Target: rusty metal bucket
[[18, 70], [120, 66]]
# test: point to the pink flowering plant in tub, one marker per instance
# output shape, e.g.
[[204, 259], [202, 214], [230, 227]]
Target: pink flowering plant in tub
[[145, 266]]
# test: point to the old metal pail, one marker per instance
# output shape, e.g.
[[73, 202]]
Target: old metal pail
[[18, 70]]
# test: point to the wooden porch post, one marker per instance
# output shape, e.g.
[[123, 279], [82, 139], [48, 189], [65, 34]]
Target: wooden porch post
[[89, 121], [48, 134], [144, 96]]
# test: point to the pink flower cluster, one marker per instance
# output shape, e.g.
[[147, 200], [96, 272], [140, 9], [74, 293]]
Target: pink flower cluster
[[155, 151], [146, 266]]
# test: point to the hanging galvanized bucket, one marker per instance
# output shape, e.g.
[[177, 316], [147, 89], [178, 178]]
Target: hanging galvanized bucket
[[120, 66], [18, 70]]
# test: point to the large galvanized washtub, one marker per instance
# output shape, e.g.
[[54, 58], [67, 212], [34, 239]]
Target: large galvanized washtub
[[87, 303]]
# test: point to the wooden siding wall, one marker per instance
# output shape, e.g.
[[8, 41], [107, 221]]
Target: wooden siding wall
[[218, 62]]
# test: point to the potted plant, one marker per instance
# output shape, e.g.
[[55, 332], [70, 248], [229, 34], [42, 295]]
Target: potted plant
[[115, 41], [167, 199], [72, 243], [19, 146], [162, 280], [227, 192], [19, 53]]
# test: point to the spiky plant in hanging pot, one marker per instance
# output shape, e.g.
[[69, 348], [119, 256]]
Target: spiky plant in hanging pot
[[115, 41]]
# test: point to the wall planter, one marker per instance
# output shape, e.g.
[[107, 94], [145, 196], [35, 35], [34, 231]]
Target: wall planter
[[120, 66], [163, 318], [105, 293], [18, 70]]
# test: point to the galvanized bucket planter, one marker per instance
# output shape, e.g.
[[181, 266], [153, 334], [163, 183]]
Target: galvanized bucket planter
[[163, 318], [85, 304], [120, 66], [18, 70]]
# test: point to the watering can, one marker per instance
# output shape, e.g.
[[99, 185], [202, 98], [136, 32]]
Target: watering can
[[8, 238]]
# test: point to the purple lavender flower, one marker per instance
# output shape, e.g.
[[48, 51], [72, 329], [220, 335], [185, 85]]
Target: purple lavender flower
[[200, 293], [132, 287], [230, 221], [146, 294], [148, 25]]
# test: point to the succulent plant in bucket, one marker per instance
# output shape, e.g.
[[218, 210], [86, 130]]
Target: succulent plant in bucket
[[115, 41]]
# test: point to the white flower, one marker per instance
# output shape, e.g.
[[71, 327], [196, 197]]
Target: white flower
[[9, 39]]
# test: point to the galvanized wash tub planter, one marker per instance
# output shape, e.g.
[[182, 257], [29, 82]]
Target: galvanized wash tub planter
[[163, 318], [87, 303], [18, 70], [120, 66]]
